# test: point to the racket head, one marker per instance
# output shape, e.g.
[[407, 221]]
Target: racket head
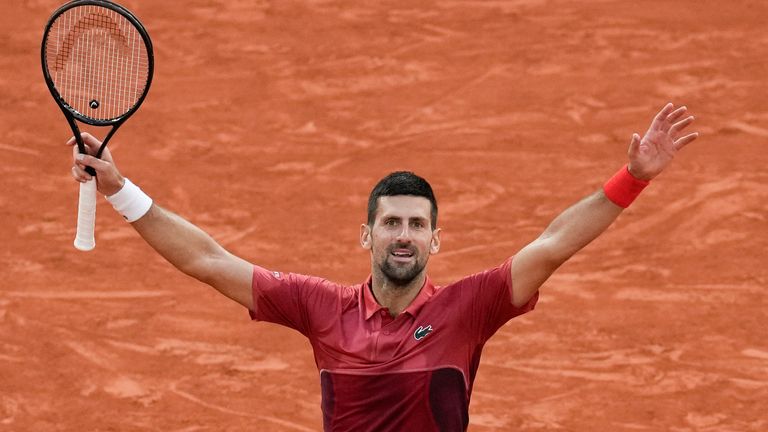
[[97, 61]]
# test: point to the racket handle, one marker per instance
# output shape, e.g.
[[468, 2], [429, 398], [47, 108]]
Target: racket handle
[[86, 216]]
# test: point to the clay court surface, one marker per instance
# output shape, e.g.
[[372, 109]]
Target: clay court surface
[[269, 121]]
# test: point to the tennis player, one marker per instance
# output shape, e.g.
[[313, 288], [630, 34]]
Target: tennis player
[[395, 352]]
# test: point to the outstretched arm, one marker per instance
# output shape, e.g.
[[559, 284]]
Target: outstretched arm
[[581, 223], [181, 243]]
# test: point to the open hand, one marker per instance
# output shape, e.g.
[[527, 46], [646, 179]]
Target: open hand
[[650, 155]]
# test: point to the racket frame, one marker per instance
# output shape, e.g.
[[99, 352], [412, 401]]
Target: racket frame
[[69, 112]]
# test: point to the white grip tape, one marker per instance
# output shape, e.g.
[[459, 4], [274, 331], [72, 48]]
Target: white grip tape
[[130, 201], [86, 216]]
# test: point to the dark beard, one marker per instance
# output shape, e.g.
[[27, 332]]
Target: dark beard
[[399, 276]]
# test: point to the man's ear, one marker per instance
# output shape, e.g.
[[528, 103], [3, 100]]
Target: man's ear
[[434, 245], [365, 236]]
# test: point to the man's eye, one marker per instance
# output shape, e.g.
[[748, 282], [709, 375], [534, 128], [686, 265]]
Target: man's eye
[[390, 222]]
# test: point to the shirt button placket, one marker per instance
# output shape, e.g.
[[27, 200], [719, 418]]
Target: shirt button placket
[[386, 320]]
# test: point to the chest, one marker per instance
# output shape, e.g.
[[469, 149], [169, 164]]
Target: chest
[[434, 336]]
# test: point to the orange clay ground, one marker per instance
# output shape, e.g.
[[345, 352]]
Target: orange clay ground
[[267, 125]]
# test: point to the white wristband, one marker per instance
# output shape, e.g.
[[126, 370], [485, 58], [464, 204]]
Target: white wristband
[[130, 201]]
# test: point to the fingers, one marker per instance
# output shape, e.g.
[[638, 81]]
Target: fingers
[[658, 121], [665, 111], [666, 124], [82, 161], [684, 141], [78, 168], [92, 146], [676, 114], [79, 174], [99, 165], [89, 141], [679, 126], [666, 118], [106, 155], [634, 145], [85, 166]]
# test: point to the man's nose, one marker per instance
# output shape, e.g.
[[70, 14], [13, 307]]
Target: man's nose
[[404, 234]]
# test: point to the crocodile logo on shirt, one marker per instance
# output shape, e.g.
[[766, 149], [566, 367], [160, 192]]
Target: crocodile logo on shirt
[[422, 332]]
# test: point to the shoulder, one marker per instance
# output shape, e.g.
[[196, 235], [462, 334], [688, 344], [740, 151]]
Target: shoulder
[[499, 275], [300, 286]]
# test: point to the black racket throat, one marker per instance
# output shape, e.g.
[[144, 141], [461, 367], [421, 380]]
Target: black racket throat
[[81, 147]]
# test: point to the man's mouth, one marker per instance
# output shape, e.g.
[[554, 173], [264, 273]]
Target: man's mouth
[[402, 254]]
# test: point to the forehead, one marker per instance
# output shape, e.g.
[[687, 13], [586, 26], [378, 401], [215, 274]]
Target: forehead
[[404, 206]]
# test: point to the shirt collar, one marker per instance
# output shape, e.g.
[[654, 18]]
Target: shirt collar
[[371, 306]]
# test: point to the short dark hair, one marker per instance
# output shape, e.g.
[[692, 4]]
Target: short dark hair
[[401, 183]]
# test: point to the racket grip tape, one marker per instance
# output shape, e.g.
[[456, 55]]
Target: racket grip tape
[[86, 216]]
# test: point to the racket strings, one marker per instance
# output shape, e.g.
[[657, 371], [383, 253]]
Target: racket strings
[[98, 61]]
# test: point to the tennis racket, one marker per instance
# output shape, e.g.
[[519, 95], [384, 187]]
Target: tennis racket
[[97, 61]]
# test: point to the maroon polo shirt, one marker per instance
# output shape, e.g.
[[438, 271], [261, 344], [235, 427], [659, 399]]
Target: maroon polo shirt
[[413, 372]]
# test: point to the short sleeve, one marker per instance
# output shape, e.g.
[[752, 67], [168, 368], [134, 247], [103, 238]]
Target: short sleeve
[[291, 299], [490, 296]]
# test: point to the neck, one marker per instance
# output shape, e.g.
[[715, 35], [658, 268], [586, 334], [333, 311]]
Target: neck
[[395, 297]]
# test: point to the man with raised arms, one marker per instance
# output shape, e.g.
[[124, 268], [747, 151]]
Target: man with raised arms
[[395, 353]]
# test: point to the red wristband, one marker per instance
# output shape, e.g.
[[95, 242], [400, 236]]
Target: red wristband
[[623, 187]]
